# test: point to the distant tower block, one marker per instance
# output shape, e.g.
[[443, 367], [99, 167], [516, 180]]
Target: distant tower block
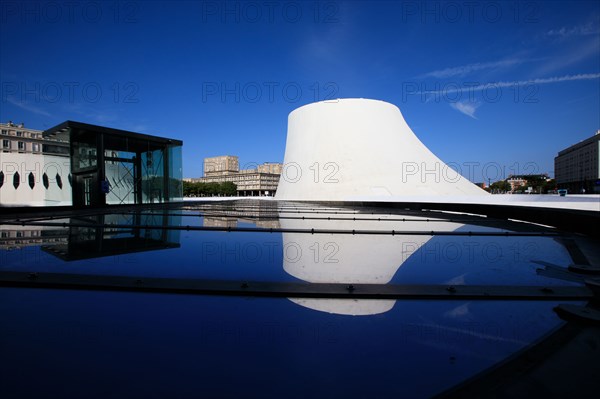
[[342, 149]]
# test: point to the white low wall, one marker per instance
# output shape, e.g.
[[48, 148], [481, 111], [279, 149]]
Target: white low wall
[[36, 165]]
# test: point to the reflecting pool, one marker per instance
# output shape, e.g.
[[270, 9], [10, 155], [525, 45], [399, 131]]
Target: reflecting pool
[[102, 343]]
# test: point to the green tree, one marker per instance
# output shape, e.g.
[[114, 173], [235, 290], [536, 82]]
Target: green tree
[[535, 182], [501, 186], [228, 189], [201, 190], [549, 185], [212, 189], [209, 189], [188, 188]]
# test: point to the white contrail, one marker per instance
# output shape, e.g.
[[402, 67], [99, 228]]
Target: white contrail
[[537, 81]]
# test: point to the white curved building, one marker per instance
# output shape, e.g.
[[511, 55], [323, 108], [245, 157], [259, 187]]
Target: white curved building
[[338, 150]]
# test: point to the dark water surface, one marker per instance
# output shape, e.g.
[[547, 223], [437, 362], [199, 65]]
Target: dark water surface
[[73, 344]]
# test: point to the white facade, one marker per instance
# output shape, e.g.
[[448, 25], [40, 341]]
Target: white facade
[[341, 149], [34, 179], [44, 180], [34, 171]]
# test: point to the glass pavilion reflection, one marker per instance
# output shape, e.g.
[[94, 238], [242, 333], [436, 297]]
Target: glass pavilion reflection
[[310, 245]]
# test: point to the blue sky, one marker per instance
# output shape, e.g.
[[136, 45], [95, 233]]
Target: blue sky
[[493, 87]]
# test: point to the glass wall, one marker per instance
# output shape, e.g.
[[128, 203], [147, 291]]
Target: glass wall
[[85, 155], [175, 174], [119, 171], [153, 177]]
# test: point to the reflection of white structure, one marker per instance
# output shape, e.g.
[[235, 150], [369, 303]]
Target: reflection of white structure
[[351, 259], [357, 147]]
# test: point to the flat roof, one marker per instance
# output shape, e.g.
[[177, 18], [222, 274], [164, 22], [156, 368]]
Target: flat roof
[[56, 131], [582, 143]]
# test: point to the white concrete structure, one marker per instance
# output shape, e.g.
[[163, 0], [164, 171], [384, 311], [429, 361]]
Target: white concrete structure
[[346, 148], [34, 171], [34, 179]]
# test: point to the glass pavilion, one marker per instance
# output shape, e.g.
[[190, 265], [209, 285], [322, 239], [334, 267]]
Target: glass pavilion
[[112, 166]]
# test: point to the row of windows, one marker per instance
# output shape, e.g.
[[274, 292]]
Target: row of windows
[[21, 133], [16, 181], [7, 145], [20, 234], [587, 166]]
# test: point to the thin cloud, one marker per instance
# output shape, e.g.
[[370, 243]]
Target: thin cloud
[[458, 312], [27, 107], [137, 128], [580, 30], [464, 70], [469, 332], [584, 49], [99, 115], [538, 81], [466, 108]]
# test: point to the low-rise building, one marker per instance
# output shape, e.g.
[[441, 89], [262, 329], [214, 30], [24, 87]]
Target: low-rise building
[[517, 181], [17, 139], [259, 181]]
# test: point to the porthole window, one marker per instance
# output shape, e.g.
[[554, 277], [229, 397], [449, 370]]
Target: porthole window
[[16, 180], [45, 181], [59, 181], [31, 178]]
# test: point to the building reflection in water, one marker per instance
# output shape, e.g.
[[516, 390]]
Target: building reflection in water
[[262, 214], [98, 236], [352, 259], [18, 237]]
